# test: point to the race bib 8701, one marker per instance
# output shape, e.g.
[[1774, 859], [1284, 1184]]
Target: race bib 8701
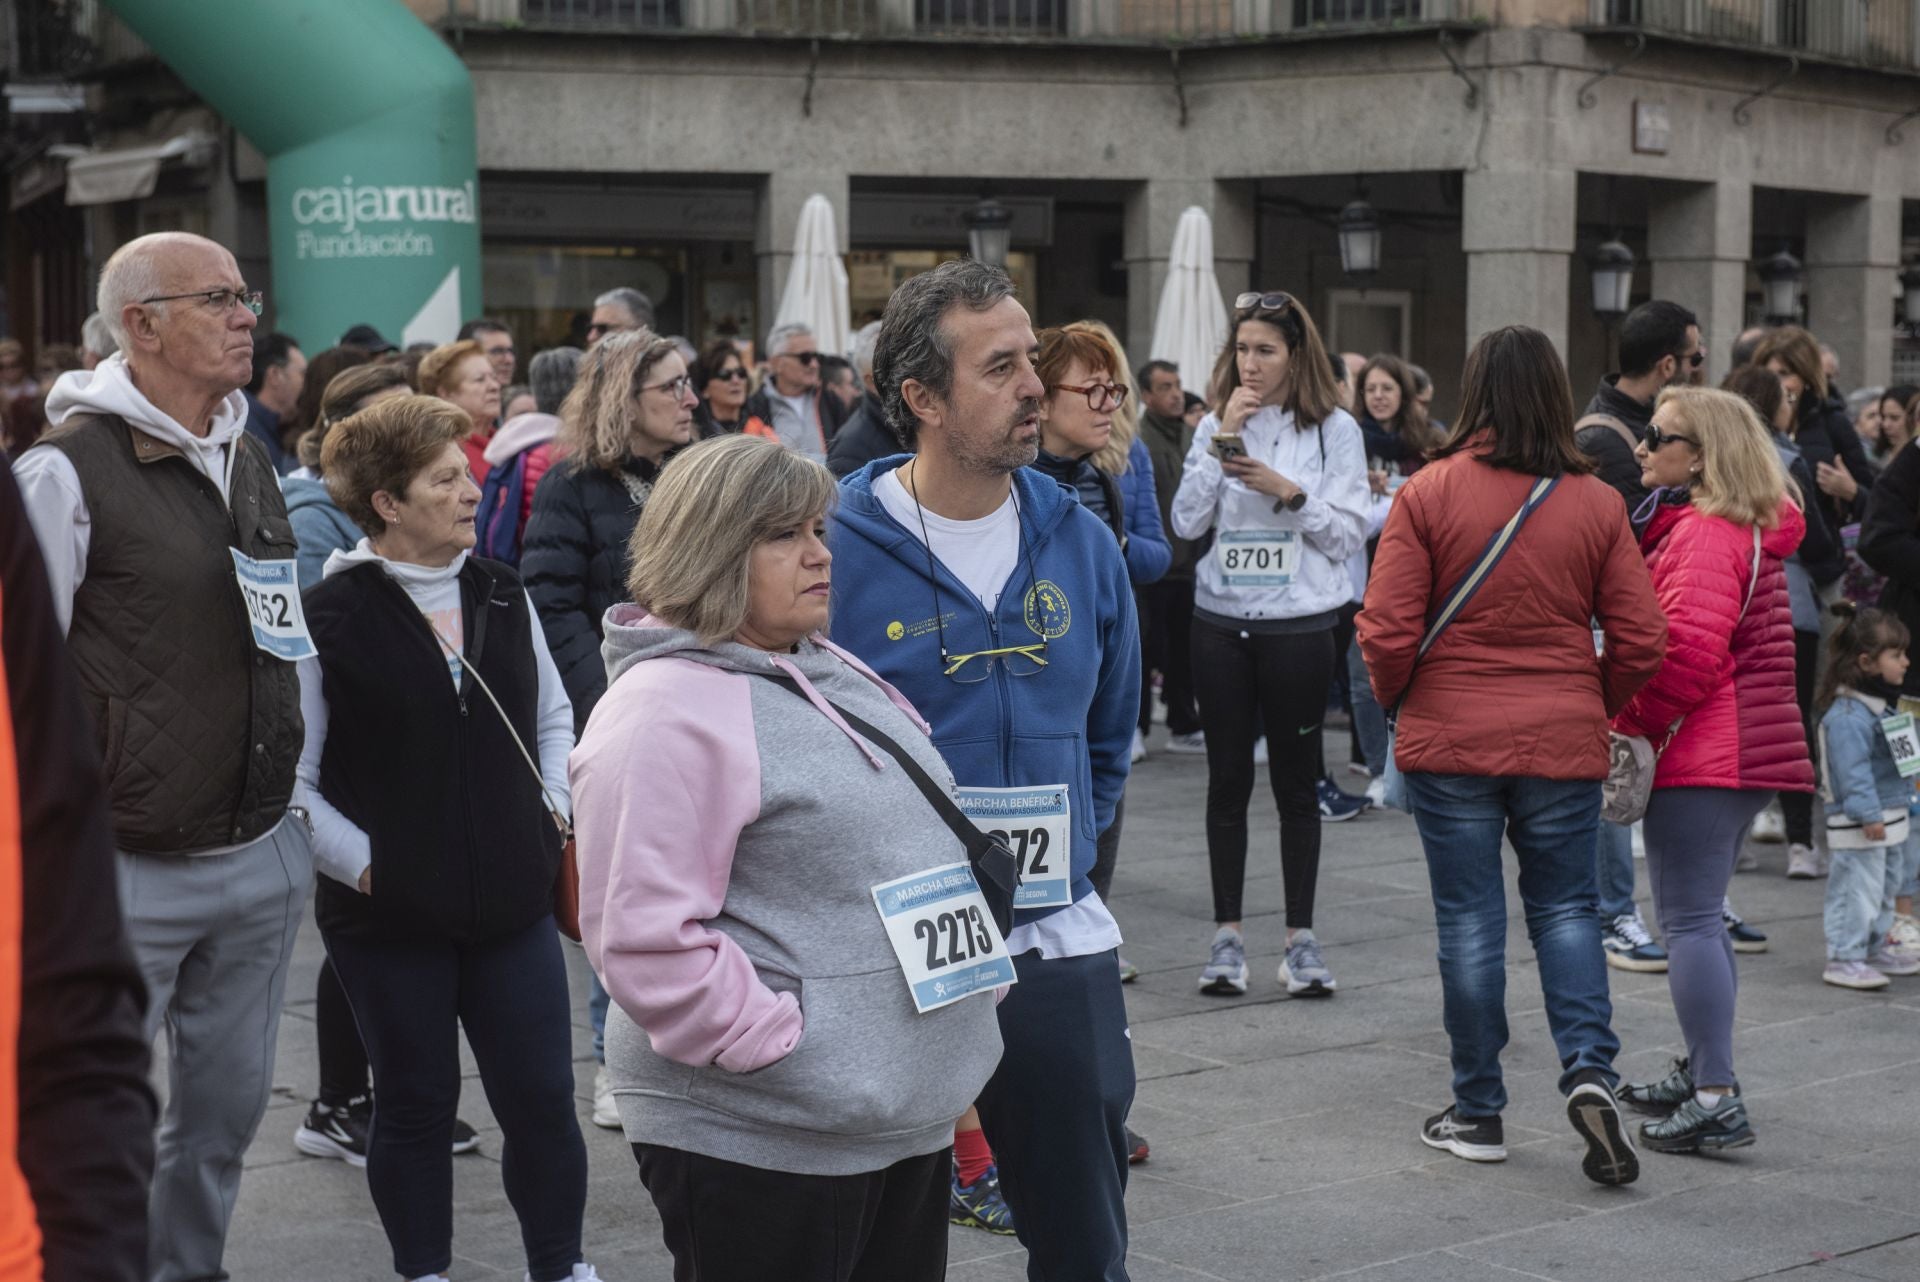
[[1036, 824], [271, 590], [943, 933], [1257, 558]]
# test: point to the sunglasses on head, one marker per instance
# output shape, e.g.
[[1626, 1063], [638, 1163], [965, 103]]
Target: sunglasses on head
[[1255, 301], [1655, 438]]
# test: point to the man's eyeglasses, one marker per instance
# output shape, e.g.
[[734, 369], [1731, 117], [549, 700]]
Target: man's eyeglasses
[[220, 300], [1100, 396], [1274, 302], [1020, 661], [674, 387], [1655, 438]]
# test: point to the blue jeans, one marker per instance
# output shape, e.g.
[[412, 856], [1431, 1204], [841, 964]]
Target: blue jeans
[[1551, 824], [1369, 721], [1614, 870], [1910, 867], [597, 1001], [1861, 885]]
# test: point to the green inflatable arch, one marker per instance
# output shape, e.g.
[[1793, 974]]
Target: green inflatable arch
[[366, 120]]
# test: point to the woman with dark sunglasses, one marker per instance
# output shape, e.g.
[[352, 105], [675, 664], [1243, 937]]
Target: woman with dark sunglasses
[[1279, 476], [720, 378]]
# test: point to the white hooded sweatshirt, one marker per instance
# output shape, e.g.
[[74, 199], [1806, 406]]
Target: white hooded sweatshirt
[[50, 487]]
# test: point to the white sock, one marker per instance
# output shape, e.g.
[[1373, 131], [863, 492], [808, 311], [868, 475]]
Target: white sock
[[1707, 1099]]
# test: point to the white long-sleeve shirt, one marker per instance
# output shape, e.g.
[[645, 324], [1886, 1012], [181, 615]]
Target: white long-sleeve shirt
[[341, 848], [1331, 526]]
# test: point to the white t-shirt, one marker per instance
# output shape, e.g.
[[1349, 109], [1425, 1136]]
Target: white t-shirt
[[983, 555], [795, 425]]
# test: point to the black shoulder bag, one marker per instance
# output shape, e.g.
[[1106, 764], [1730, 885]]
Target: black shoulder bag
[[994, 866]]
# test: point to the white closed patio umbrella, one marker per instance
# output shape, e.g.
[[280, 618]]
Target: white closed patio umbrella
[[1191, 325], [816, 292]]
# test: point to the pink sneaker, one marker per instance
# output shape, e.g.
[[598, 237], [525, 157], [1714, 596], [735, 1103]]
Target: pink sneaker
[[1854, 975], [1893, 961]]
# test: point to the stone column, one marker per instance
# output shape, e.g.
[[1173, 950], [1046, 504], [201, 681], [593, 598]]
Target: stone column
[[1153, 210], [781, 199], [1699, 238], [1517, 228], [1853, 260]]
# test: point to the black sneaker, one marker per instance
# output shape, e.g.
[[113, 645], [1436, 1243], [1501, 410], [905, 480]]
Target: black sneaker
[[336, 1131], [1661, 1097], [1477, 1139], [465, 1138], [1695, 1128], [1610, 1157]]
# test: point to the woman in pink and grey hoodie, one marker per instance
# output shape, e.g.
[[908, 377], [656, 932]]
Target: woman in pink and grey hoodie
[[790, 1110]]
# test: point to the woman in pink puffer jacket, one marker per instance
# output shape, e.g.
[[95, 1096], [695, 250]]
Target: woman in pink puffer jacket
[[1723, 705]]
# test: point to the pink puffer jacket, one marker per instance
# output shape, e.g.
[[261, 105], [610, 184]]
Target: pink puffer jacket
[[1730, 676]]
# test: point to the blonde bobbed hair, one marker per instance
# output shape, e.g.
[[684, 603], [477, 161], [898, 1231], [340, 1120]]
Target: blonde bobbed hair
[[601, 415], [690, 553], [1740, 474], [1113, 457]]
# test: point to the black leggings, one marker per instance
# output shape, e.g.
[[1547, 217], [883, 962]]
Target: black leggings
[[1282, 679], [1797, 807], [343, 1058]]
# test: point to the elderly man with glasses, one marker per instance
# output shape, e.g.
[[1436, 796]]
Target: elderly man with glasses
[[791, 399], [171, 562], [981, 590]]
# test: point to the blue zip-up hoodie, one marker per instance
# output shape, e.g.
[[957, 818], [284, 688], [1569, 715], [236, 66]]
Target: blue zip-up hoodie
[[1859, 780], [1071, 722]]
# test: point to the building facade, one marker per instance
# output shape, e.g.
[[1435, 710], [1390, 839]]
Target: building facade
[[670, 144]]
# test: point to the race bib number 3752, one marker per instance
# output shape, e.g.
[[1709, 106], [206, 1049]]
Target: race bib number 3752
[[271, 590], [943, 934]]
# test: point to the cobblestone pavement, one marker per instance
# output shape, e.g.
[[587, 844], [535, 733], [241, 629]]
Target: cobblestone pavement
[[1285, 1133]]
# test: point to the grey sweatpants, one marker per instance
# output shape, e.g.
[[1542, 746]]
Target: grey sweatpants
[[212, 934]]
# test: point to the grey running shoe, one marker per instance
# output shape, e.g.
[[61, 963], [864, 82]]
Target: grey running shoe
[[1693, 1127], [1659, 1097], [1303, 970], [1610, 1157], [1226, 974]]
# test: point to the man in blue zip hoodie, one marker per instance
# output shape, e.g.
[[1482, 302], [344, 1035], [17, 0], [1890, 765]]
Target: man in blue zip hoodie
[[996, 603]]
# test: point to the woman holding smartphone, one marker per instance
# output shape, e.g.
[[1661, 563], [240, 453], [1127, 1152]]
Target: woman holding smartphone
[[1279, 475]]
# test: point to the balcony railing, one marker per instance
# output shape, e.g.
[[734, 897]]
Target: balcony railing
[[1088, 20], [1877, 33]]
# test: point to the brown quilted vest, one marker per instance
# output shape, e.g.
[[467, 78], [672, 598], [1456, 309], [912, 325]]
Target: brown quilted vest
[[199, 729]]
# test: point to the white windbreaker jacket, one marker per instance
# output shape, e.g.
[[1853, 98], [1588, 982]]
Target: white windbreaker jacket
[[1328, 531]]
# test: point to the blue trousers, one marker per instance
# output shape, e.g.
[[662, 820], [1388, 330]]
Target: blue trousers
[[1551, 824], [1613, 870], [1055, 1112]]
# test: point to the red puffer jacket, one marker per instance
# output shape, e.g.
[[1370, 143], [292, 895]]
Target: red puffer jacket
[[1730, 676]]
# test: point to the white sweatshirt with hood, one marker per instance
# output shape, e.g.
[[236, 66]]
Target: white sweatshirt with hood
[[50, 487]]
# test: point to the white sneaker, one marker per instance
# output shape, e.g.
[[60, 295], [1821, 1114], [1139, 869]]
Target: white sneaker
[[1905, 933], [1769, 826], [1260, 751], [1803, 862], [1853, 974], [605, 1112], [1192, 742], [1139, 746], [1377, 794], [581, 1273]]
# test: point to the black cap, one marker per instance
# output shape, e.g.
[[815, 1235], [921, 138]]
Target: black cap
[[366, 336]]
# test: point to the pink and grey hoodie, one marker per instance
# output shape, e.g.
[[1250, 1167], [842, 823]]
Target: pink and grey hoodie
[[730, 833]]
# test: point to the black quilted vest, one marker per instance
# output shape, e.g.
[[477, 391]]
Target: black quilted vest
[[199, 729]]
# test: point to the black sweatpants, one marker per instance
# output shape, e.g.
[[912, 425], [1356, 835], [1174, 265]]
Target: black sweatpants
[[343, 1059], [1166, 631], [1055, 1113], [725, 1222], [1284, 680], [410, 998]]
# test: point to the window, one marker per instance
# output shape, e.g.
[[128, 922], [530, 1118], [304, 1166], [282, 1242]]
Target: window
[[626, 13], [1009, 17]]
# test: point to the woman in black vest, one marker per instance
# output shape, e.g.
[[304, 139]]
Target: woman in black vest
[[438, 843]]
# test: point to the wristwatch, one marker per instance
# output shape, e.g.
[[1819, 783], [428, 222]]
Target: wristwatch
[[1298, 501]]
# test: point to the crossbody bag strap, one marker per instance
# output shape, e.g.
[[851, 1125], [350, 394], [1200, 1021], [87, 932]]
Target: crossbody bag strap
[[539, 779], [955, 818], [1497, 546]]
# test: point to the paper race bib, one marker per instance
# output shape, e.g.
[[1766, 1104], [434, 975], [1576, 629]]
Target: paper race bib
[[1904, 743], [271, 590], [944, 936], [1257, 558], [1037, 826]]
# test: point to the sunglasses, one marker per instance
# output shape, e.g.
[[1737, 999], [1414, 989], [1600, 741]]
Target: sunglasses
[[1274, 302], [805, 358], [1655, 438], [736, 374]]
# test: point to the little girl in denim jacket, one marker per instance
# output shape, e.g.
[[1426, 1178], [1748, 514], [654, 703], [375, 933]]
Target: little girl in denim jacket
[[1866, 796]]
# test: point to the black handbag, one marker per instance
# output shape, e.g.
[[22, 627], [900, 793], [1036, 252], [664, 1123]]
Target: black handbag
[[994, 866]]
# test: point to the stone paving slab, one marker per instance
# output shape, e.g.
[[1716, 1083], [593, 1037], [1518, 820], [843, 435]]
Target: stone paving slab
[[1284, 1132]]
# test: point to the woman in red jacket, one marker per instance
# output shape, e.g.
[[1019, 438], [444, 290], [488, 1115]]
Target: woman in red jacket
[[1723, 705], [1503, 729]]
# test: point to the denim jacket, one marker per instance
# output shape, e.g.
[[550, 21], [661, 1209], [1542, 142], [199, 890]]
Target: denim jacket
[[1857, 774]]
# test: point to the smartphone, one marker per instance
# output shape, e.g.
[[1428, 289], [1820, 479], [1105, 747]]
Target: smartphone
[[1228, 445]]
